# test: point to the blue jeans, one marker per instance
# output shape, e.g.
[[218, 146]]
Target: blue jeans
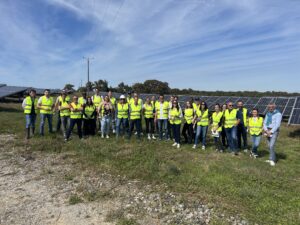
[[43, 118], [232, 138], [65, 122], [201, 131], [271, 143], [162, 127], [176, 132], [74, 122], [124, 123], [30, 120], [137, 123], [105, 124], [255, 143]]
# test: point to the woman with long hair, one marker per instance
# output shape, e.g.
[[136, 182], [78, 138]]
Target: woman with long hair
[[187, 130], [201, 118], [175, 116]]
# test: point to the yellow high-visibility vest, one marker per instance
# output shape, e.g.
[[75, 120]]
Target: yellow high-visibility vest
[[88, 110], [81, 101], [149, 108], [165, 108], [216, 119], [204, 119], [135, 111], [78, 114], [64, 112], [27, 108], [175, 116], [230, 118], [47, 104], [122, 110], [97, 100], [189, 115], [255, 126]]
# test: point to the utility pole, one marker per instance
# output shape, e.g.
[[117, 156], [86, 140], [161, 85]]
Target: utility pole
[[88, 69]]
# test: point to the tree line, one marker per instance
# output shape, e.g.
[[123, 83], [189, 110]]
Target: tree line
[[159, 87]]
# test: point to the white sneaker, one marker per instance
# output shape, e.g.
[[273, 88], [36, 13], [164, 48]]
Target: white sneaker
[[107, 136], [178, 145], [149, 137], [194, 146], [102, 136], [203, 147], [153, 137], [272, 163], [268, 161], [245, 150], [174, 144], [114, 131]]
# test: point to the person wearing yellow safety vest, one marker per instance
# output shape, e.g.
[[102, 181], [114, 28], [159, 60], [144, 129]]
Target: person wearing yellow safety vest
[[148, 111], [135, 110], [223, 133], [113, 102], [75, 117], [175, 116], [217, 123], [97, 99], [122, 112], [255, 128], [230, 124], [46, 106], [161, 116], [64, 111], [153, 102], [202, 119], [30, 110], [89, 115], [57, 104], [196, 104], [170, 133], [242, 115], [82, 99], [187, 130], [106, 113]]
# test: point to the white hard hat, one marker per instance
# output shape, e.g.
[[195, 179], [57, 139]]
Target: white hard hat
[[122, 97]]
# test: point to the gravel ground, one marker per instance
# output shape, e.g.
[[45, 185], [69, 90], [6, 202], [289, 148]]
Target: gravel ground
[[40, 188]]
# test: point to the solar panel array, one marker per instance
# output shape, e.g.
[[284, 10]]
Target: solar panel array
[[295, 115], [11, 90]]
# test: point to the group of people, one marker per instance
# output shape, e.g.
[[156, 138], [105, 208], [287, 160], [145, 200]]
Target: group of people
[[229, 125]]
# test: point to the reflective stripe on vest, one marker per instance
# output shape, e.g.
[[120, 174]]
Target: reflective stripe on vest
[[216, 118], [165, 108], [255, 127], [27, 109], [204, 118], [88, 110], [188, 115], [122, 111], [175, 116], [47, 105], [230, 118], [64, 112], [148, 110], [78, 114], [97, 100], [135, 111]]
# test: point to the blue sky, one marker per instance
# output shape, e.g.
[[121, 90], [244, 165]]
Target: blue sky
[[199, 44]]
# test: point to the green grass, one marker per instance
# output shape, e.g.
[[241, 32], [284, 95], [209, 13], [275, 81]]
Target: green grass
[[237, 185]]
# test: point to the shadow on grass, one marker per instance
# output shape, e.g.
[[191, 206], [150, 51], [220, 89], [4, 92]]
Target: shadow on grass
[[295, 133], [279, 156], [4, 109]]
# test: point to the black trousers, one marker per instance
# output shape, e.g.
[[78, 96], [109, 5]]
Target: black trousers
[[149, 125], [89, 127], [137, 124], [224, 138], [242, 133], [78, 123], [187, 132]]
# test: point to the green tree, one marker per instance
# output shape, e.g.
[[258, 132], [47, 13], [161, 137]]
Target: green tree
[[123, 88], [69, 87], [156, 86], [101, 85]]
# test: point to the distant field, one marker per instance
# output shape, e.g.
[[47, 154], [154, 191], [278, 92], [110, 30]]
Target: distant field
[[237, 185]]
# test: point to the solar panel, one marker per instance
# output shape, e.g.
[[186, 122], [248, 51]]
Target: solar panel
[[295, 114], [1, 85], [6, 91]]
